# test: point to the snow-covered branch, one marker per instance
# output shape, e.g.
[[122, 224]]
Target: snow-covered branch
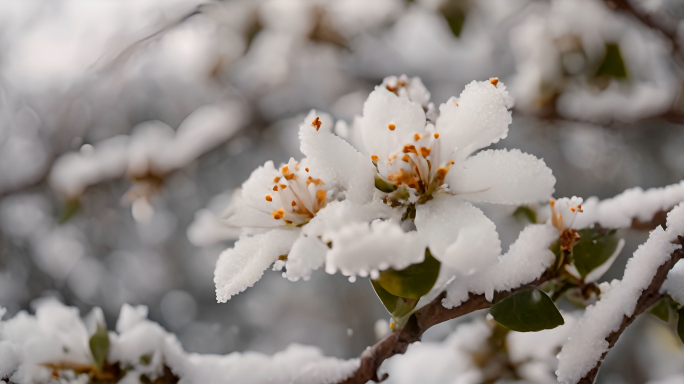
[[622, 301]]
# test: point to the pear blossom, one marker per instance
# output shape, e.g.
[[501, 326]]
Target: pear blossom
[[412, 189], [275, 206], [427, 162]]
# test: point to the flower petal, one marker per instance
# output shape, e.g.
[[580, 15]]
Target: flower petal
[[307, 255], [502, 177], [364, 249], [476, 119], [243, 265], [248, 206], [458, 234], [334, 160], [389, 121], [338, 214]]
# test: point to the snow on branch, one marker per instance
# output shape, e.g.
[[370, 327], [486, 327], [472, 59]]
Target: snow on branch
[[635, 207], [56, 343], [154, 149], [622, 301]]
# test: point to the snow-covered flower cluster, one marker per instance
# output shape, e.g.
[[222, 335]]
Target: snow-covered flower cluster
[[408, 186]]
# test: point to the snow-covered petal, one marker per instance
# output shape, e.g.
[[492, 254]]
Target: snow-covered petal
[[307, 254], [364, 249], [243, 265], [477, 118], [337, 214], [389, 121], [334, 160], [526, 260], [458, 234], [502, 177], [248, 207]]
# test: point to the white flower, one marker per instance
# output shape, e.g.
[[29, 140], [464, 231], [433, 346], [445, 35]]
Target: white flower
[[432, 166], [564, 212], [283, 209]]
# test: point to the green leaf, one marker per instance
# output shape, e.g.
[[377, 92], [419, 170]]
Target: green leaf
[[70, 207], [397, 306], [412, 282], [388, 299], [528, 310], [661, 310], [680, 324], [594, 248], [455, 14], [612, 65], [384, 185], [525, 214], [99, 346]]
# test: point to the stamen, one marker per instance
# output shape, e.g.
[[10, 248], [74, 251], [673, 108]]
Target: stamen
[[374, 158], [456, 104], [410, 148], [306, 169], [442, 171], [283, 186], [425, 151], [494, 81], [579, 208], [391, 127], [317, 123], [278, 214], [275, 188], [294, 203], [269, 198], [416, 137], [320, 195], [436, 135], [406, 158], [276, 179]]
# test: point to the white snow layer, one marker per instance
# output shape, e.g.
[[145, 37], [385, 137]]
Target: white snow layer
[[57, 334], [588, 342], [633, 203], [525, 261], [154, 147]]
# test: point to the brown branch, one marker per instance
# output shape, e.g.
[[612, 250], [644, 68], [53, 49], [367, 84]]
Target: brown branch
[[432, 314], [648, 297]]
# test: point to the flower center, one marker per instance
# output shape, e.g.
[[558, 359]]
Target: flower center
[[296, 195], [416, 165]]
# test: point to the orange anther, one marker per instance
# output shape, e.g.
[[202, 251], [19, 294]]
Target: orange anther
[[276, 179], [294, 203], [374, 157], [317, 123], [425, 151], [436, 135], [416, 137], [320, 195], [392, 127], [269, 198], [275, 188], [494, 81], [283, 186]]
